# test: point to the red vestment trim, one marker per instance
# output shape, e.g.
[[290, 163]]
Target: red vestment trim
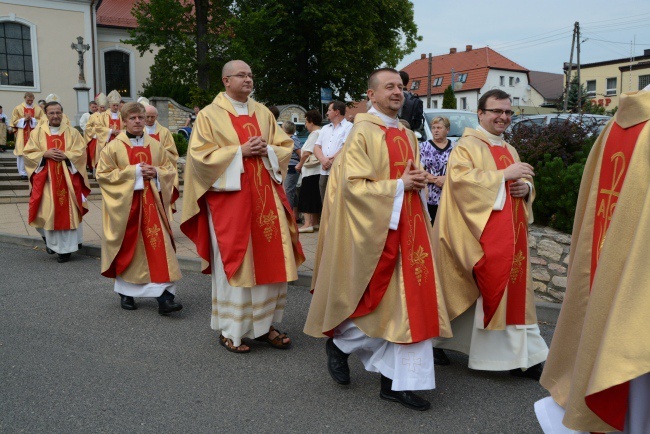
[[611, 404], [411, 239], [28, 125], [115, 125], [143, 217], [90, 152], [155, 137], [505, 253]]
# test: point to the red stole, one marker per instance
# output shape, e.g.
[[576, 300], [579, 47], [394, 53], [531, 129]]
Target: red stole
[[145, 219], [411, 239], [505, 253], [251, 215], [59, 188], [90, 153], [611, 404], [155, 136], [28, 125], [114, 125]]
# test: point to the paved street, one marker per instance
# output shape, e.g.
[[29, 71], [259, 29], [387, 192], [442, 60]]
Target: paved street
[[72, 361]]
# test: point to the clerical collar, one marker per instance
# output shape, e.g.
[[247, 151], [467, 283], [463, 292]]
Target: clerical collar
[[236, 103], [390, 122], [29, 105], [133, 136], [495, 140], [55, 130], [115, 115], [150, 129]]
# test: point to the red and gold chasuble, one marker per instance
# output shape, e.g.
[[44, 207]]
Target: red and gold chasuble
[[505, 260], [115, 125], [28, 125], [59, 188], [611, 404], [252, 215], [144, 217], [411, 240]]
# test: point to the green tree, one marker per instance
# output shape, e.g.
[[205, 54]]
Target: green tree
[[295, 47], [449, 98], [588, 106]]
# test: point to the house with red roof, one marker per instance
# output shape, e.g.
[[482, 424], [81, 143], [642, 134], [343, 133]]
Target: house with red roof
[[472, 73], [38, 58]]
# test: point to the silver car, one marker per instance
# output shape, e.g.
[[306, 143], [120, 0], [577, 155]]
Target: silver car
[[458, 119]]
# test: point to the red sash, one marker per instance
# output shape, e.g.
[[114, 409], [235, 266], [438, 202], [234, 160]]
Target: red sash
[[155, 136], [505, 254], [59, 188], [90, 151], [252, 215], [611, 404], [143, 218], [411, 239], [115, 126], [28, 125]]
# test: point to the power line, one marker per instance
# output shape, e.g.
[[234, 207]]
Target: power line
[[616, 42]]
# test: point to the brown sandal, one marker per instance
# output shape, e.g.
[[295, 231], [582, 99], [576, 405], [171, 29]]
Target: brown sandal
[[276, 342], [228, 344]]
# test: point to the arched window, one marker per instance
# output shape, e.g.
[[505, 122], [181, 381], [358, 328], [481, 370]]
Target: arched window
[[117, 72], [16, 62]]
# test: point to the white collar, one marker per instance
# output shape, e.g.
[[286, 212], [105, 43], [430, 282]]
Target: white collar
[[495, 140], [55, 130], [390, 122], [150, 129], [236, 103]]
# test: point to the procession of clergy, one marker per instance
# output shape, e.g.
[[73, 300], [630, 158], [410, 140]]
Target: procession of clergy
[[387, 286]]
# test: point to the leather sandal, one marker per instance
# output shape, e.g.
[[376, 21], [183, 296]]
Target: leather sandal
[[228, 344], [276, 342]]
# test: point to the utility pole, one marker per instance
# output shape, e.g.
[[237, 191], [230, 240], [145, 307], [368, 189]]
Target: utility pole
[[429, 83], [568, 74], [578, 59]]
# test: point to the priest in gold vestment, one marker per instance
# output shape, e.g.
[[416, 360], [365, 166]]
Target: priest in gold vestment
[[481, 232], [598, 369], [376, 291], [55, 159], [105, 126], [24, 118], [90, 137], [236, 212], [137, 183]]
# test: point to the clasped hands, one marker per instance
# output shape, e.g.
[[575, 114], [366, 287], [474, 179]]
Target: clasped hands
[[254, 147], [413, 179], [55, 154], [327, 162], [148, 171], [519, 173]]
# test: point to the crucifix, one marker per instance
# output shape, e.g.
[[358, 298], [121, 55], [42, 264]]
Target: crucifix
[[80, 48]]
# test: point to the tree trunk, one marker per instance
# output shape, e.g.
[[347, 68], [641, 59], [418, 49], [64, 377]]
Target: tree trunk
[[203, 71]]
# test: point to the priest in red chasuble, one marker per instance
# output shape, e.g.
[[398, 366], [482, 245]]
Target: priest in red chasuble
[[376, 290], [236, 212], [598, 369], [137, 183], [24, 119], [481, 234], [55, 160]]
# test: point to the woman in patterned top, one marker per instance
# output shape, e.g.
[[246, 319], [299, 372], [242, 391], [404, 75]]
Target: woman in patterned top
[[434, 155]]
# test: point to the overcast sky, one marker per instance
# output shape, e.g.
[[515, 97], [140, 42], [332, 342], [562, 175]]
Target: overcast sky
[[536, 35]]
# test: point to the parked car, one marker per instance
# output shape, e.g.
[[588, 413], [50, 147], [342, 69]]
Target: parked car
[[588, 120], [458, 119]]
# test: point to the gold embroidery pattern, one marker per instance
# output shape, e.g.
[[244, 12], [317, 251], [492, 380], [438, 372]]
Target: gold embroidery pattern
[[518, 261], [152, 236], [607, 204], [517, 266], [417, 258], [266, 221], [58, 172]]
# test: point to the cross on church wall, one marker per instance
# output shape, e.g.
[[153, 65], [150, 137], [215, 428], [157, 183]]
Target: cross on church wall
[[80, 48]]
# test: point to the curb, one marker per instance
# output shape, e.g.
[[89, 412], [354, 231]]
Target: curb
[[546, 312]]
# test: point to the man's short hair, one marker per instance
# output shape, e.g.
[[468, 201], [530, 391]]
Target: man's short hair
[[28, 94], [92, 102], [494, 93], [50, 104], [314, 117], [41, 101], [289, 127], [132, 107], [275, 110], [441, 120], [340, 106], [372, 79], [405, 77]]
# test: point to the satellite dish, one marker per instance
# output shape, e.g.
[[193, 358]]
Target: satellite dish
[[517, 80], [458, 86]]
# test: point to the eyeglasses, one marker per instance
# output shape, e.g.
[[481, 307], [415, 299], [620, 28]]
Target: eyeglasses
[[242, 76], [499, 112]]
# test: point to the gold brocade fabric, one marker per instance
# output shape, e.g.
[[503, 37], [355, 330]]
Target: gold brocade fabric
[[467, 200], [17, 114], [75, 150], [212, 148], [167, 140], [101, 127], [116, 178], [354, 227], [601, 338]]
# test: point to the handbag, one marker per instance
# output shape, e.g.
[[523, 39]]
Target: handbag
[[310, 162]]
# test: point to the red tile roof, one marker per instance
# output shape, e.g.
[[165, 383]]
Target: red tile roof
[[116, 13], [475, 63]]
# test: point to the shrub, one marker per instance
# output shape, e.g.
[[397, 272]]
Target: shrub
[[181, 144]]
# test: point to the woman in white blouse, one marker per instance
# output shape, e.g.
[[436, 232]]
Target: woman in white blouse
[[309, 202]]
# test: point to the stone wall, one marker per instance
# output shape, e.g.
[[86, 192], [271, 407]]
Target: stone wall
[[170, 113], [549, 257], [293, 113]]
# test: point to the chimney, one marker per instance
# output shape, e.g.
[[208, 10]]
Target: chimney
[[468, 48], [423, 56], [646, 52], [452, 51]]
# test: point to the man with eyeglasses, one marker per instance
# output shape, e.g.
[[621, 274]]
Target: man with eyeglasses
[[237, 214], [482, 241]]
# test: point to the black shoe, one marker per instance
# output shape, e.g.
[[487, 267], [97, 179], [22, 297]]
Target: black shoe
[[534, 372], [23, 177], [168, 306], [337, 363], [127, 302], [404, 397], [63, 257], [440, 358]]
